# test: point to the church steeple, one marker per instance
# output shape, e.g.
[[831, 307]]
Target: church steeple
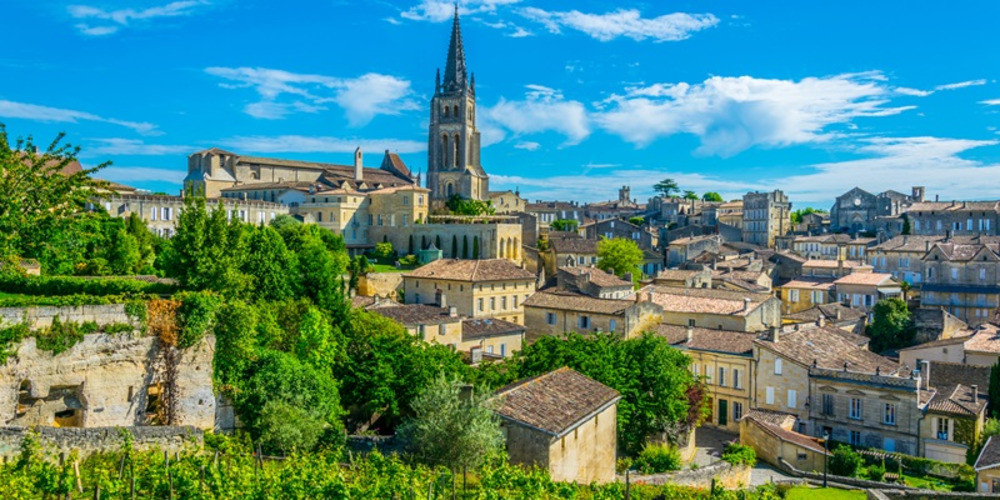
[[454, 69]]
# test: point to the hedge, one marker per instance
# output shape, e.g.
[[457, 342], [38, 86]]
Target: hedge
[[75, 285], [70, 300]]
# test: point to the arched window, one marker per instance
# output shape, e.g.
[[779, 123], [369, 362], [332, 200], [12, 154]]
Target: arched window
[[456, 111], [450, 190], [458, 152], [446, 110], [444, 149]]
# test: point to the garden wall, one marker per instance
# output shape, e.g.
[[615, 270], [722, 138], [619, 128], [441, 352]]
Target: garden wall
[[723, 473], [42, 316], [100, 439]]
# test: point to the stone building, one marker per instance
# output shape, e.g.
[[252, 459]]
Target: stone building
[[443, 325], [562, 422], [800, 294], [962, 276], [863, 290], [453, 165], [832, 247], [988, 467], [719, 309], [684, 278], [160, 212], [730, 214], [902, 257], [725, 361], [568, 250], [683, 250], [956, 218], [771, 436], [857, 210], [457, 237], [361, 216], [493, 288], [765, 217], [618, 228], [508, 202], [975, 347]]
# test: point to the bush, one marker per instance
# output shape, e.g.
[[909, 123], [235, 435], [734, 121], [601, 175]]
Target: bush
[[409, 260], [740, 454], [877, 472], [845, 461], [73, 285], [287, 428], [384, 251], [656, 458]]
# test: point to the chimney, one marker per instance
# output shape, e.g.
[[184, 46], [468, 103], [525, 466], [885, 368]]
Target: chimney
[[927, 246], [838, 314], [689, 333], [441, 299], [452, 312], [948, 235], [937, 198], [775, 334], [926, 373], [746, 304], [975, 393], [821, 321], [358, 165]]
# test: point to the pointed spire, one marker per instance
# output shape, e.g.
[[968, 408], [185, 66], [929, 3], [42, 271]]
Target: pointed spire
[[454, 69]]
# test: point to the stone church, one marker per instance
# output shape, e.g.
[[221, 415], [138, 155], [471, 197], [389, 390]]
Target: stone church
[[453, 142]]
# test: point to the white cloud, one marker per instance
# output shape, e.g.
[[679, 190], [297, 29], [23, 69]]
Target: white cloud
[[961, 85], [283, 93], [991, 102], [542, 110], [731, 114], [305, 144], [623, 22], [11, 109], [913, 92], [112, 20], [528, 146], [442, 10], [520, 32], [129, 175], [132, 147]]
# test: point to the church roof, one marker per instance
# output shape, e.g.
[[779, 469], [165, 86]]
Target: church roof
[[454, 68]]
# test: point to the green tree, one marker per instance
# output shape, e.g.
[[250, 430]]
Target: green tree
[[454, 246], [384, 252], [666, 187], [564, 225], [272, 267], [451, 429], [637, 220], [461, 206], [124, 254], [845, 461], [207, 251], [712, 196], [797, 214], [475, 247], [43, 201], [892, 327], [317, 345], [465, 246], [619, 256], [147, 242], [907, 228], [321, 275], [690, 195], [283, 221], [286, 428]]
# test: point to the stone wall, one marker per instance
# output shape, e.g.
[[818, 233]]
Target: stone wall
[[100, 439], [893, 494], [723, 473], [42, 316], [381, 285]]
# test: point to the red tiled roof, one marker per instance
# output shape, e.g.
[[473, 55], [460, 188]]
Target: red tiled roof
[[555, 402]]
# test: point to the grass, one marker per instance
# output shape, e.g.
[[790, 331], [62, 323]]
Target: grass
[[807, 493], [387, 268], [927, 483]]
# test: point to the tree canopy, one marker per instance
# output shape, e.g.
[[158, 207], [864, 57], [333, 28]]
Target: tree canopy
[[565, 224], [712, 196], [690, 195], [666, 187], [619, 256], [892, 327], [462, 206]]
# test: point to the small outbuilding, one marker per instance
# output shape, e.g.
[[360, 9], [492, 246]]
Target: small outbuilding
[[563, 422]]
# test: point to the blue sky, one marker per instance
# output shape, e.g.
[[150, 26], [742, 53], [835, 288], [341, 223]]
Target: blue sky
[[575, 97]]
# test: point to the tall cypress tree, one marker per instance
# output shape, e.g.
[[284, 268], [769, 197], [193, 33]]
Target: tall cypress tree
[[411, 245], [475, 247], [465, 246], [454, 246], [437, 241]]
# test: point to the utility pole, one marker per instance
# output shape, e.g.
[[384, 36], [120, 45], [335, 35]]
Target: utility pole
[[826, 455]]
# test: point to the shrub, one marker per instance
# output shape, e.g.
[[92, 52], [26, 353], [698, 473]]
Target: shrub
[[877, 472], [845, 461], [384, 251], [740, 454], [197, 316], [656, 458], [74, 285], [409, 260]]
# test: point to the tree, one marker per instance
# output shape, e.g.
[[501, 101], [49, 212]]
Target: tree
[[208, 250], [892, 327], [907, 228], [475, 247], [797, 214], [384, 252], [666, 187], [465, 246], [712, 196], [358, 267], [619, 256], [564, 224], [690, 195], [286, 428], [317, 345], [637, 220], [273, 268], [454, 246], [451, 429], [321, 272], [994, 391], [845, 461], [461, 206], [43, 199]]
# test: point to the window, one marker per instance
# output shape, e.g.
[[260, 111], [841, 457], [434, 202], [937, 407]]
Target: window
[[489, 349], [441, 329], [503, 303], [708, 374], [943, 425], [889, 414], [417, 298], [855, 438], [982, 273], [954, 273], [817, 297], [792, 399], [583, 322], [855, 408], [793, 295], [152, 213], [722, 376], [737, 382], [827, 405], [737, 411], [493, 303], [777, 366], [769, 396], [611, 325], [480, 305], [503, 349], [550, 318]]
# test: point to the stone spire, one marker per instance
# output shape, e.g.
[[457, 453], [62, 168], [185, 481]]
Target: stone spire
[[454, 69]]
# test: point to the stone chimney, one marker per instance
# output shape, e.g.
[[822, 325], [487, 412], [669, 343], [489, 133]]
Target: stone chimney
[[440, 298], [927, 246], [821, 321], [452, 312], [838, 313], [925, 373], [689, 333], [358, 165], [775, 334], [746, 304], [975, 393], [937, 198]]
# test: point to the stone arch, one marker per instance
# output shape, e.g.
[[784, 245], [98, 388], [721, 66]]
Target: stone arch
[[444, 149], [449, 189]]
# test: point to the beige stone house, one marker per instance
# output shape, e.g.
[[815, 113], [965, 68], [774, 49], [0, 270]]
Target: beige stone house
[[988, 467], [832, 247], [865, 289], [718, 309], [724, 361], [492, 288], [685, 278], [960, 218], [962, 276], [834, 314], [803, 293], [568, 250], [493, 337], [902, 257], [508, 202], [765, 217], [771, 436], [160, 212], [975, 347], [563, 422], [458, 237], [953, 421], [833, 268]]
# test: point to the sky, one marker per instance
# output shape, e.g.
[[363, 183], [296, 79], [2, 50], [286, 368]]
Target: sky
[[575, 98]]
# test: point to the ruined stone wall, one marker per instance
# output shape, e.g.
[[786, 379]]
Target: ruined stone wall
[[722, 473], [101, 439], [41, 316], [103, 381]]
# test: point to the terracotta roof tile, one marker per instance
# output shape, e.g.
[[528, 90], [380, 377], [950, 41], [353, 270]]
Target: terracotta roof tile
[[598, 277], [789, 436], [571, 301], [829, 347], [873, 279], [474, 329], [417, 314], [707, 339], [957, 400], [703, 300], [555, 402], [990, 456], [471, 270]]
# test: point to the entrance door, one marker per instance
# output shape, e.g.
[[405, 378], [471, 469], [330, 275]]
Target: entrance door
[[723, 413], [889, 444]]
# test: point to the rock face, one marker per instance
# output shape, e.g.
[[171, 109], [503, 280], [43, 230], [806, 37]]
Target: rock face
[[41, 316], [106, 381]]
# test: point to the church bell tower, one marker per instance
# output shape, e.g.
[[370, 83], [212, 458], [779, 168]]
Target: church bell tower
[[453, 142]]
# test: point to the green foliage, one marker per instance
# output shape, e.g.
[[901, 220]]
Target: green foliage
[[287, 428], [892, 327], [657, 458], [461, 206], [712, 196], [666, 187], [208, 249], [619, 256], [690, 195], [11, 335], [797, 214], [845, 461], [70, 285], [408, 261], [877, 472], [907, 228], [451, 429], [61, 335], [358, 267], [565, 224], [637, 220], [660, 396], [67, 300], [384, 251], [273, 268], [136, 310], [317, 345], [739, 454], [197, 316]]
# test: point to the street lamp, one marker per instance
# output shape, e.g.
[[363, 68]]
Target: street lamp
[[826, 455]]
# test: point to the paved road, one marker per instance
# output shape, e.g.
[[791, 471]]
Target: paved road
[[711, 442]]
